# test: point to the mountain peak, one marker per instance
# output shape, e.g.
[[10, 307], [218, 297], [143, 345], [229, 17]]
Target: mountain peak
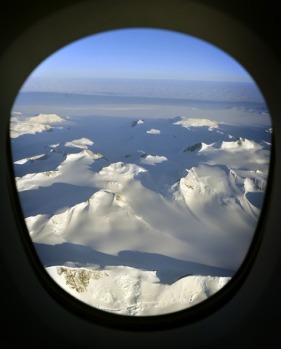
[[137, 122], [194, 122], [46, 118]]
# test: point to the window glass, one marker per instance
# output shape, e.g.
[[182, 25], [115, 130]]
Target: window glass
[[141, 159]]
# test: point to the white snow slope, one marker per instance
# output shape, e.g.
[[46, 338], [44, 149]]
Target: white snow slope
[[139, 222]]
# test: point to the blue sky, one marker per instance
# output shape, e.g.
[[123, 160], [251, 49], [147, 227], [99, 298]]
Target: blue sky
[[142, 53]]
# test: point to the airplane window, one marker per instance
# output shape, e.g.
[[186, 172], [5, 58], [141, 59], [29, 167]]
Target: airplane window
[[141, 158]]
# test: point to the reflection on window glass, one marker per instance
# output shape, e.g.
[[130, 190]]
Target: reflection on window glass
[[141, 159]]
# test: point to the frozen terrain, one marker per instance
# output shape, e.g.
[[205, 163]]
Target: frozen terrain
[[140, 216]]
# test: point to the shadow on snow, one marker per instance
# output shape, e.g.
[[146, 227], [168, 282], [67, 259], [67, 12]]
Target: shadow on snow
[[168, 269]]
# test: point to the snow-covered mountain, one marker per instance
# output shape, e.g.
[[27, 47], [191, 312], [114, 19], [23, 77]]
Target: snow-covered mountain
[[154, 215], [31, 125]]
